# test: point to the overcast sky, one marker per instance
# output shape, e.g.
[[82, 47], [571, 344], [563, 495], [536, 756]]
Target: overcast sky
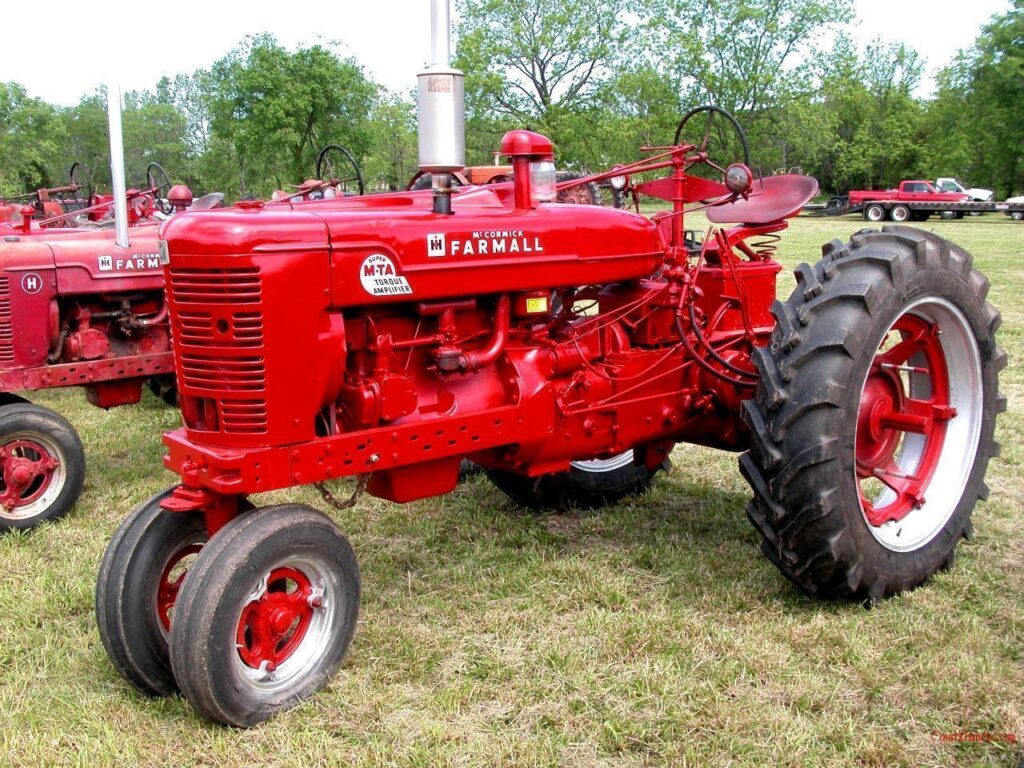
[[60, 50]]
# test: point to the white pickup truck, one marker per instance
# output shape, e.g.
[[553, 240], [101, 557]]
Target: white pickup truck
[[976, 194]]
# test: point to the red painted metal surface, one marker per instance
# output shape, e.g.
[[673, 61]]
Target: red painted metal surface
[[26, 468], [887, 412], [272, 626], [171, 579], [372, 335], [77, 310]]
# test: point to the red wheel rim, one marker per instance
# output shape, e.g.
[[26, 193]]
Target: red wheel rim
[[273, 625], [170, 584], [27, 468], [888, 413]]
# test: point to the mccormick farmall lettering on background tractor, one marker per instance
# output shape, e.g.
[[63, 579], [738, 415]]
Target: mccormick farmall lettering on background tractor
[[564, 348]]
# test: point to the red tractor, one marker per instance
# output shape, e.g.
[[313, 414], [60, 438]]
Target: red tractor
[[48, 202], [76, 309], [566, 349]]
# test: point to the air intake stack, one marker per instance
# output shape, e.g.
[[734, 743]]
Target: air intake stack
[[441, 108]]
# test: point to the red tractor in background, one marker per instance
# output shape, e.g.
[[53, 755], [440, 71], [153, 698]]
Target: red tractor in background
[[77, 309], [47, 202], [566, 349]]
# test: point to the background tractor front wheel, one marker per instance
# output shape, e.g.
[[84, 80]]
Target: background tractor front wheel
[[872, 425], [42, 465]]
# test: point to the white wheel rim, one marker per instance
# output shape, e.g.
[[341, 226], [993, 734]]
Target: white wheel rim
[[57, 480], [959, 449], [319, 635], [900, 214], [610, 464], [875, 213]]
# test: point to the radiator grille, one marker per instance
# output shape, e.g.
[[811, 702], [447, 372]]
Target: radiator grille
[[216, 286], [219, 341], [6, 322]]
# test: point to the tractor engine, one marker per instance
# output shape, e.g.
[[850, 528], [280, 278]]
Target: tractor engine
[[377, 335], [90, 314]]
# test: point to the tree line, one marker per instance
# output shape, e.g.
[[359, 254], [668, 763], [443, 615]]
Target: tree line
[[600, 77]]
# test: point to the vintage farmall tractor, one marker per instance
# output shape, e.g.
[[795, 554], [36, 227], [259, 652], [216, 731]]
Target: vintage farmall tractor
[[48, 202], [564, 348], [80, 307]]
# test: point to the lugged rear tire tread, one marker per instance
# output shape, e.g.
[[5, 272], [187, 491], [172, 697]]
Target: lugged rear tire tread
[[797, 422]]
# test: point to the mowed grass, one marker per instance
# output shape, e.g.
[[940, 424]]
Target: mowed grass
[[651, 633]]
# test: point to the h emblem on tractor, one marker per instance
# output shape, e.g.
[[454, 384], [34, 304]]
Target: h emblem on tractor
[[327, 342]]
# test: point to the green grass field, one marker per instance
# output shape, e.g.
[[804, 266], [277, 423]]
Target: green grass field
[[652, 633]]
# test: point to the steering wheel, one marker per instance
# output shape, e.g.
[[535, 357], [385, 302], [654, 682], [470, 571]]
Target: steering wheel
[[152, 170], [712, 112], [326, 161]]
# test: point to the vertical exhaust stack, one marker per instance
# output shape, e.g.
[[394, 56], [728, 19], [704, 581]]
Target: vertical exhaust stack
[[117, 166], [441, 110]]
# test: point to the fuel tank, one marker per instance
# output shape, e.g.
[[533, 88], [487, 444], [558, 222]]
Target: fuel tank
[[393, 248]]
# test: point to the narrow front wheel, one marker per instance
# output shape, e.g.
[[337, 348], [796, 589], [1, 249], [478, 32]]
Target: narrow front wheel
[[266, 614], [142, 571], [42, 466]]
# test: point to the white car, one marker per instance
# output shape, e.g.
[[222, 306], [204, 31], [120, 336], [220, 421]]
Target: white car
[[1016, 215], [954, 185]]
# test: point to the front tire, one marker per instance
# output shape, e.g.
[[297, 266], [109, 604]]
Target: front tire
[[585, 485], [266, 614], [873, 421], [142, 571], [42, 466]]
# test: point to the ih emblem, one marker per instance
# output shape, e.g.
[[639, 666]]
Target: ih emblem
[[436, 245], [31, 283]]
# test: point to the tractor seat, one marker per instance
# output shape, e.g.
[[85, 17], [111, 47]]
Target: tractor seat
[[771, 199]]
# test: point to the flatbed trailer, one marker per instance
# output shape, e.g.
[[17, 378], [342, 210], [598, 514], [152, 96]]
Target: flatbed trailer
[[908, 210]]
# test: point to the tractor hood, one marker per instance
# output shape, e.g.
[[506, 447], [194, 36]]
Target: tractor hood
[[393, 247]]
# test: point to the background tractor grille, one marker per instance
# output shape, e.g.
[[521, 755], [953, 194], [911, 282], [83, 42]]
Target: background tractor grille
[[218, 329], [6, 322]]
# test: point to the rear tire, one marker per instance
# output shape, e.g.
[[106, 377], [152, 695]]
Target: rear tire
[[821, 423], [900, 214], [585, 485], [42, 466], [875, 213], [266, 614]]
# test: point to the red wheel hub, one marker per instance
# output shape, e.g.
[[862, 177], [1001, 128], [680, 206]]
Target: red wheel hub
[[168, 588], [27, 469], [888, 413], [273, 625]]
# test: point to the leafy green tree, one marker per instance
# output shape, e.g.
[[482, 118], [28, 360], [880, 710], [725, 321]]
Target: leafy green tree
[[883, 148], [976, 122], [31, 134], [545, 64], [276, 108], [392, 159]]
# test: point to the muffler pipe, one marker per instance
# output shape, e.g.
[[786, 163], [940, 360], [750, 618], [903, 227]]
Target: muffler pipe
[[441, 110], [117, 183]]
